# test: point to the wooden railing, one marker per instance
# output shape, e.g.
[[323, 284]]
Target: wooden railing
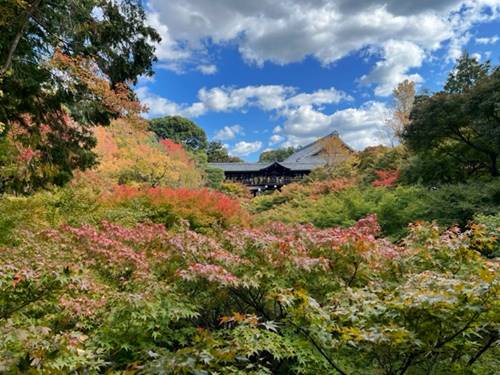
[[266, 180]]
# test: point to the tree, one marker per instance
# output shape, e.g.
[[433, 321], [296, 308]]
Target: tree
[[404, 97], [461, 123], [65, 67], [217, 153], [467, 72], [279, 154], [334, 150], [180, 130], [130, 154]]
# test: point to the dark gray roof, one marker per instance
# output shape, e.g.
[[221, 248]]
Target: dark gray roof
[[240, 167], [301, 166], [305, 159], [254, 167]]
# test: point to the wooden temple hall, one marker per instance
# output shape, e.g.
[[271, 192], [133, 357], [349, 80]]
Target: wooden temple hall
[[271, 176]]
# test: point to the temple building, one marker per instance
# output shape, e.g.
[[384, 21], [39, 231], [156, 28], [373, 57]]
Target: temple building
[[259, 177]]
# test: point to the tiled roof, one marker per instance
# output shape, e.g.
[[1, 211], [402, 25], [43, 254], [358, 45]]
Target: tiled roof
[[304, 159], [254, 167], [240, 167]]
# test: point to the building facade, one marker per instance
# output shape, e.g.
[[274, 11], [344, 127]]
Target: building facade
[[272, 176]]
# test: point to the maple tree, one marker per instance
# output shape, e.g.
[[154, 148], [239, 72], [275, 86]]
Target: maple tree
[[289, 298], [129, 153], [58, 79]]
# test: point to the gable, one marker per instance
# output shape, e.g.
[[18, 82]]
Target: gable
[[312, 153], [275, 168]]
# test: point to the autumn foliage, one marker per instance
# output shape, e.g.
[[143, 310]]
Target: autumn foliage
[[292, 298], [386, 178], [201, 207], [130, 154]]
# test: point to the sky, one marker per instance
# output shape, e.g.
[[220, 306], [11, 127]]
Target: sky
[[263, 74]]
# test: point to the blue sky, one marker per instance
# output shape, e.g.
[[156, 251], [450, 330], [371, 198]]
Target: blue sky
[[264, 74]]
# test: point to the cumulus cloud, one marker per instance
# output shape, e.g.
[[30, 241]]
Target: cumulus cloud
[[359, 127], [157, 105], [284, 31], [398, 58], [226, 99], [303, 114], [160, 106], [228, 132], [244, 148]]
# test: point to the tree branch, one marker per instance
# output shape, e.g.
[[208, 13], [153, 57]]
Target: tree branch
[[485, 347], [17, 38]]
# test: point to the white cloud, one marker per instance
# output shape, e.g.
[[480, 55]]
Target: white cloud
[[157, 105], [476, 56], [284, 31], [244, 148], [488, 40], [304, 118], [168, 49], [472, 12], [160, 106], [207, 69], [398, 58], [359, 127], [228, 132], [275, 139], [327, 96]]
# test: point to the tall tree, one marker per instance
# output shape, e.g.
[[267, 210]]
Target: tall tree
[[403, 97], [217, 153], [467, 72], [180, 130], [65, 67], [279, 154], [461, 123]]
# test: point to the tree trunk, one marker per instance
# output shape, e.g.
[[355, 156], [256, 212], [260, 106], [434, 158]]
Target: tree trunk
[[493, 165], [18, 36]]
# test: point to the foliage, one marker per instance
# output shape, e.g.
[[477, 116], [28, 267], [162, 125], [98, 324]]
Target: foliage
[[404, 97], [217, 153], [396, 207], [129, 154], [279, 154], [458, 203], [334, 150], [461, 124], [489, 225], [277, 299], [466, 74], [180, 130], [58, 79], [203, 209], [386, 178], [234, 189], [215, 177]]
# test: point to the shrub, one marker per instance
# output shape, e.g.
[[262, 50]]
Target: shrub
[[204, 209], [281, 298]]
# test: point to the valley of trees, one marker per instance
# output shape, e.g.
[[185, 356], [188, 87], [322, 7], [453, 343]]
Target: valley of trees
[[122, 251]]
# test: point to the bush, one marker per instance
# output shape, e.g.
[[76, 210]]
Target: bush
[[457, 204], [290, 299], [396, 207], [204, 209], [215, 177]]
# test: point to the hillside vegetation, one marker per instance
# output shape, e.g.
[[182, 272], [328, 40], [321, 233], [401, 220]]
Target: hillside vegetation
[[123, 252]]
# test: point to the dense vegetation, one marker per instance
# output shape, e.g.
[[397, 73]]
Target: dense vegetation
[[123, 251], [279, 154]]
